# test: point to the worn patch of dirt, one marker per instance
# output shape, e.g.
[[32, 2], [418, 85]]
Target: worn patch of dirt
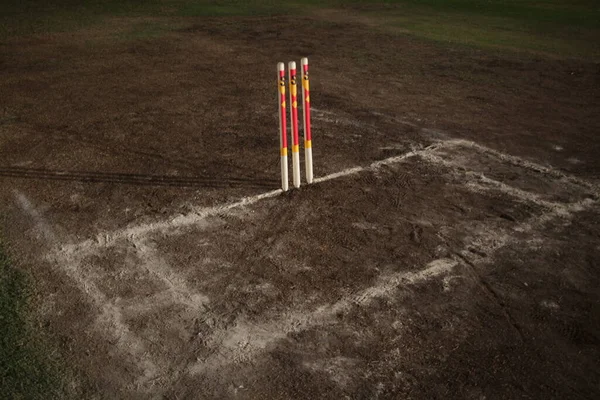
[[458, 272]]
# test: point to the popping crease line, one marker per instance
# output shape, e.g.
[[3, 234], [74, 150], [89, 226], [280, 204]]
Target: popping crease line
[[108, 239], [109, 316], [245, 340], [132, 233], [476, 185], [112, 314], [520, 162]]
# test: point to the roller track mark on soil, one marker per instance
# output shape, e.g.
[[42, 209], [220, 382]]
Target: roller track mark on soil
[[198, 216], [131, 179], [245, 340], [239, 345], [397, 120], [488, 244], [493, 296]]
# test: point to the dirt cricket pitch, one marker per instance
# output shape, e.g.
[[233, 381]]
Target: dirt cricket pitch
[[449, 248]]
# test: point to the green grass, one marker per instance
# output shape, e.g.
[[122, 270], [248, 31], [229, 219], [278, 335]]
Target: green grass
[[234, 8], [556, 27], [582, 13], [27, 17], [27, 371], [145, 30]]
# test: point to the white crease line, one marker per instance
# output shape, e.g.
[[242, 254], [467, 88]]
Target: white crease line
[[565, 212], [108, 239], [520, 195], [72, 270], [475, 180], [40, 222], [136, 306], [488, 243], [70, 258], [111, 319], [176, 285], [245, 340], [133, 344], [521, 162]]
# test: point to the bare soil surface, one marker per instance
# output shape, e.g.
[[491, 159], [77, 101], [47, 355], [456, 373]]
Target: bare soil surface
[[448, 250]]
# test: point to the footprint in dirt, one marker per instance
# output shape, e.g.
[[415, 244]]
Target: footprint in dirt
[[416, 234]]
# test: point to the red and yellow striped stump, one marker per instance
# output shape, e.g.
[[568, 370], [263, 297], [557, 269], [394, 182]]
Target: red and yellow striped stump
[[308, 161], [282, 125], [294, 123]]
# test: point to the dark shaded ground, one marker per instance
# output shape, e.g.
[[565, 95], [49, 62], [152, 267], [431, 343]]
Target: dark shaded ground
[[99, 135]]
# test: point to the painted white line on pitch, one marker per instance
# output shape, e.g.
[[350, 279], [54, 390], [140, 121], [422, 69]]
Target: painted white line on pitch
[[71, 257], [475, 180], [521, 162], [110, 317], [137, 306], [40, 222], [111, 320], [196, 217], [565, 213], [489, 242], [245, 340], [374, 166], [482, 184], [107, 239], [130, 344], [335, 175], [176, 285], [70, 269]]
